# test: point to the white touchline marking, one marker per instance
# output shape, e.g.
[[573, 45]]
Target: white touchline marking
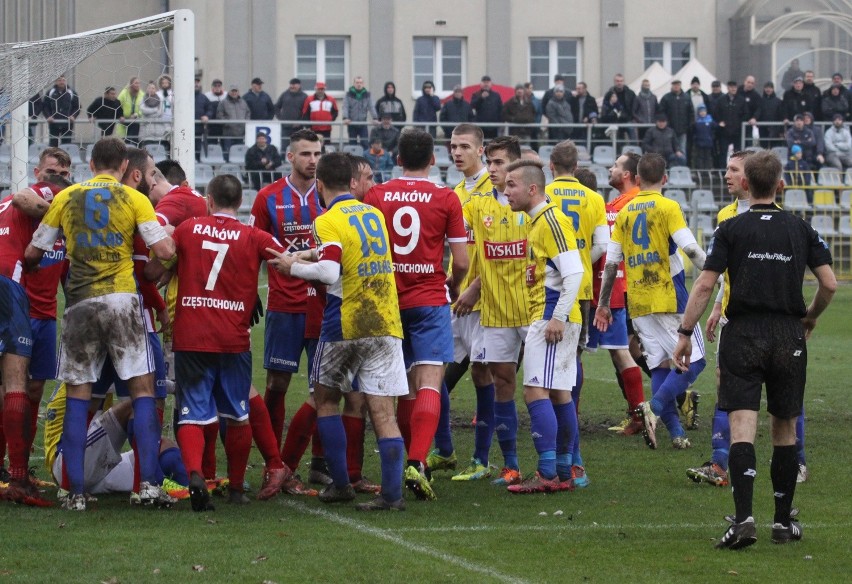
[[388, 535]]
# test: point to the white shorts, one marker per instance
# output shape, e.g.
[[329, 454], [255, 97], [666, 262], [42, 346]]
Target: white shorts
[[551, 366], [106, 469], [467, 335], [500, 344], [93, 328], [658, 333], [377, 362]]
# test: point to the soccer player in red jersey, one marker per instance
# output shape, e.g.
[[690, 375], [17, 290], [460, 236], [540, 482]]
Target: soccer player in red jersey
[[16, 338], [622, 176], [286, 209], [421, 215], [218, 263], [41, 290]]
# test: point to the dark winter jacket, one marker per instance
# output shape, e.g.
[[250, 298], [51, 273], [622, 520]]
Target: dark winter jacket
[[391, 104], [456, 111], [260, 105], [678, 108]]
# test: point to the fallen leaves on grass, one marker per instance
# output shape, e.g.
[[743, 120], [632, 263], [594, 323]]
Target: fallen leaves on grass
[[259, 559], [198, 568]]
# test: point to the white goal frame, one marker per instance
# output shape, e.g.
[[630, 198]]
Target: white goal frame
[[183, 62]]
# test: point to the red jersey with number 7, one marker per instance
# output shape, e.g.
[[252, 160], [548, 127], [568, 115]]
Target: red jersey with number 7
[[218, 263], [420, 216]]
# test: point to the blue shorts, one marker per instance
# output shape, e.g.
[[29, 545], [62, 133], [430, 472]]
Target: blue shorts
[[108, 375], [16, 335], [311, 350], [284, 341], [225, 376], [43, 360], [427, 335], [615, 336]]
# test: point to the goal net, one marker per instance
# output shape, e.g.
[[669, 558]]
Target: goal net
[[90, 62]]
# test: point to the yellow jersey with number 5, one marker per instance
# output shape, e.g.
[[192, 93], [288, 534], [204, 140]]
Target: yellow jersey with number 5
[[587, 210], [363, 301]]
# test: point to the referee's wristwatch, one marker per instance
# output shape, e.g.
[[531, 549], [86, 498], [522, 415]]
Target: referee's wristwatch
[[684, 332]]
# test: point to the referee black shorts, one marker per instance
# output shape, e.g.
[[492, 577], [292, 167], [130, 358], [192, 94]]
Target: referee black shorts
[[763, 349]]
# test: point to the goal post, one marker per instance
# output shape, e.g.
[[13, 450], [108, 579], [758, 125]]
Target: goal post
[[28, 68]]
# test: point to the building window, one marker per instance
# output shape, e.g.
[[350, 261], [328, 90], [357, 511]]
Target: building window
[[322, 58], [671, 54], [550, 57], [439, 60]]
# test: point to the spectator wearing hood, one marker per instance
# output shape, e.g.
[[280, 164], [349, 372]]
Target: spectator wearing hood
[[798, 170], [427, 106], [835, 101], [703, 135], [358, 107], [391, 104], [456, 111], [838, 144], [559, 112]]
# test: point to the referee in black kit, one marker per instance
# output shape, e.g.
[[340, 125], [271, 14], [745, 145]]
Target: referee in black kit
[[765, 252]]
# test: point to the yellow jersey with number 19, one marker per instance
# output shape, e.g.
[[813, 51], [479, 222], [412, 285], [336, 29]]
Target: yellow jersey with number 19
[[363, 301], [550, 236], [500, 237], [483, 185], [643, 229], [587, 211]]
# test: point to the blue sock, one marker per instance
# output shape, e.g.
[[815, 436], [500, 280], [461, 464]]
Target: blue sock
[[484, 432], [131, 428], [443, 434], [658, 376], [666, 385], [391, 454], [334, 447], [566, 431], [800, 437], [721, 438], [147, 430], [578, 385], [506, 419], [543, 430], [172, 465], [695, 370], [74, 432]]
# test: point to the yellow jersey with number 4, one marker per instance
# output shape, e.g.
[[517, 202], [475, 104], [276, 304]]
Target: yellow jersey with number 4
[[363, 301], [587, 210], [644, 230]]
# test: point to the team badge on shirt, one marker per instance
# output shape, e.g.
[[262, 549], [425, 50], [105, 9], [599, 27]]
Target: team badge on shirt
[[488, 220]]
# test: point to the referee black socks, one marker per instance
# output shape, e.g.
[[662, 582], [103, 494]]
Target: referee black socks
[[741, 472]]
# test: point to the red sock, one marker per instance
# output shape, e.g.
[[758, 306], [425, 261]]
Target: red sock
[[208, 461], [354, 427], [160, 414], [424, 422], [298, 435], [190, 438], [316, 444], [137, 467], [16, 420], [35, 404], [633, 391], [2, 438], [237, 448], [404, 409], [64, 483], [261, 431], [276, 404]]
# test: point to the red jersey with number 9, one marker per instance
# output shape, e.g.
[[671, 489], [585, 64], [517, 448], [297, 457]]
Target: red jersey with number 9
[[420, 215], [218, 263]]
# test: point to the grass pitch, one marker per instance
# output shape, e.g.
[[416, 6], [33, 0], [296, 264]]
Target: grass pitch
[[640, 520]]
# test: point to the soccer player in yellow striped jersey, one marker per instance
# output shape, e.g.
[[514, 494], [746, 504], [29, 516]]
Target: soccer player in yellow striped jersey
[[587, 212], [466, 148], [715, 471], [553, 277], [649, 230], [361, 330], [500, 236]]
